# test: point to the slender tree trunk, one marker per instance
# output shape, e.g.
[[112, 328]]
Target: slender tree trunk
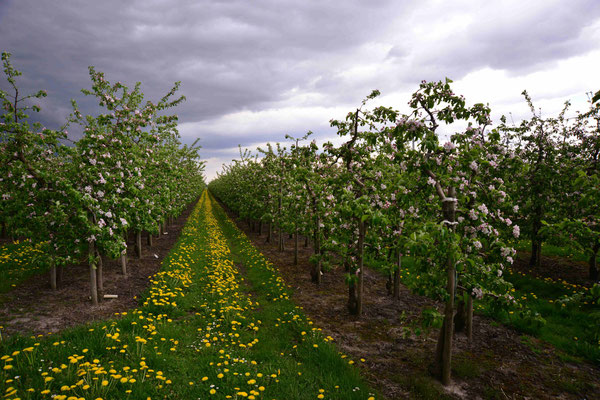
[[536, 242], [100, 275], [260, 227], [123, 260], [53, 276], [296, 246], [443, 357], [149, 239], [397, 276], [470, 318], [281, 238], [306, 241], [389, 284], [93, 278], [270, 232], [138, 243], [362, 230], [316, 273], [460, 317]]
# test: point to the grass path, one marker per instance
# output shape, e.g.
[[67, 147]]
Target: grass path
[[203, 330]]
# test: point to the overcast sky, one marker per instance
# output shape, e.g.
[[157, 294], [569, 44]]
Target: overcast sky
[[253, 71]]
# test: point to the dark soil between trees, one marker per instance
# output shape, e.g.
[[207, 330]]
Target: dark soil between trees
[[555, 268], [500, 363], [34, 308]]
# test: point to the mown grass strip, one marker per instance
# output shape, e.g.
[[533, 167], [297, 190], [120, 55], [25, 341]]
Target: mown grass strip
[[309, 365]]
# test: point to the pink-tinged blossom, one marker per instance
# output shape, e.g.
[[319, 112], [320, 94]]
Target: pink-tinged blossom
[[508, 221], [477, 293], [509, 260], [477, 244], [473, 214], [431, 181], [449, 146], [473, 166], [516, 231], [483, 209], [499, 272], [515, 208]]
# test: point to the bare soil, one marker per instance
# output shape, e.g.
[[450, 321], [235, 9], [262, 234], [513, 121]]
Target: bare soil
[[34, 308], [500, 363], [555, 268]]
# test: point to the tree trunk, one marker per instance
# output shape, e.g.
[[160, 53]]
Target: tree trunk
[[306, 241], [296, 247], [260, 227], [362, 230], [389, 284], [123, 259], [536, 242], [443, 359], [53, 276], [460, 318], [316, 270], [397, 277], [270, 233], [149, 239], [100, 275], [281, 238], [93, 278], [470, 318], [138, 243]]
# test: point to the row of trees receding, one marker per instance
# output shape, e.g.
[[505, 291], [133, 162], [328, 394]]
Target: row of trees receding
[[128, 173], [456, 206]]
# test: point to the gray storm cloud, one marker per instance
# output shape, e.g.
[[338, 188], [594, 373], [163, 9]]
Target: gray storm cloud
[[235, 57]]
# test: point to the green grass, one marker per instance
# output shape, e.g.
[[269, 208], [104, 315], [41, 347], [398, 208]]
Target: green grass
[[202, 330], [570, 328], [18, 262]]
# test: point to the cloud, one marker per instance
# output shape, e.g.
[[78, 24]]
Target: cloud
[[254, 71]]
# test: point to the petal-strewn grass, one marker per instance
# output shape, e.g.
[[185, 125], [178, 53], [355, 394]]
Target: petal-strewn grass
[[202, 330]]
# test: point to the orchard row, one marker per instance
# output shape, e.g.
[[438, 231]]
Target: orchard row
[[127, 173], [456, 206]]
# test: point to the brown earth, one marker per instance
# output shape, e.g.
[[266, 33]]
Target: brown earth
[[500, 363], [555, 268], [34, 308]]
